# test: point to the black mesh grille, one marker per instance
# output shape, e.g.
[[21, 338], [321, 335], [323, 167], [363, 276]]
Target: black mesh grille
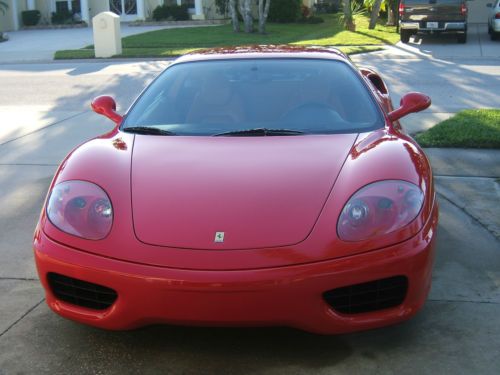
[[366, 297], [81, 293]]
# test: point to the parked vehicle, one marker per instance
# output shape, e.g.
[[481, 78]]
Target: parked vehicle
[[494, 20], [245, 186], [433, 16]]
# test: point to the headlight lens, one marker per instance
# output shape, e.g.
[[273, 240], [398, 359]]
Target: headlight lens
[[378, 209], [80, 208]]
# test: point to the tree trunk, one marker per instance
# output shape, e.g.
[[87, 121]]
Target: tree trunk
[[391, 12], [246, 13], [234, 16], [348, 17], [263, 12], [374, 14]]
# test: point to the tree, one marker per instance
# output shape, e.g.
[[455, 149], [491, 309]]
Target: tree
[[347, 17], [3, 7], [234, 16], [246, 13], [374, 14], [391, 12], [263, 13]]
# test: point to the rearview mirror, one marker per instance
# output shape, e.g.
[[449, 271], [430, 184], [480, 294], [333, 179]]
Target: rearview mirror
[[410, 103], [106, 105]]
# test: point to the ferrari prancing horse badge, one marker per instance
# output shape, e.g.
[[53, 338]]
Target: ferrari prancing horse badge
[[219, 237]]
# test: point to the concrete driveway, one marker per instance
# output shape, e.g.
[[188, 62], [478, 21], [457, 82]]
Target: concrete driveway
[[445, 46], [458, 331], [40, 45]]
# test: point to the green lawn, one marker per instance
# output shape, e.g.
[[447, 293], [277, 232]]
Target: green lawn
[[475, 128], [176, 42]]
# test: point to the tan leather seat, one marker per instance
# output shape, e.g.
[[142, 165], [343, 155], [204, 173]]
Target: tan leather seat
[[216, 103]]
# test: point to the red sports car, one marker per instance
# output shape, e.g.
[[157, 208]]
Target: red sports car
[[247, 187]]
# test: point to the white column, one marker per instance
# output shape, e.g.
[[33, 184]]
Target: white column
[[84, 6], [15, 15], [140, 9], [198, 11], [30, 4]]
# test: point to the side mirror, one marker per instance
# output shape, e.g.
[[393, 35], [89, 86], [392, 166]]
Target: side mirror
[[106, 105], [410, 103], [489, 5]]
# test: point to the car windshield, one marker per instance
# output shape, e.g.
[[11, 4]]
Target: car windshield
[[253, 97]]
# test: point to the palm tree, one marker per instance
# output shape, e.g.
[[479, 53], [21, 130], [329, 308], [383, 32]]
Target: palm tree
[[3, 7]]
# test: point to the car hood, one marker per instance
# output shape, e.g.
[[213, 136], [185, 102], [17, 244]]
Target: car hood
[[250, 192]]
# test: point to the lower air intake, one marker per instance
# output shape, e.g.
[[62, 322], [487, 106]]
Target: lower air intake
[[81, 293], [367, 297]]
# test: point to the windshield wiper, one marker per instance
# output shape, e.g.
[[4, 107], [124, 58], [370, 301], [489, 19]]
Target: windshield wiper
[[148, 130], [258, 132]]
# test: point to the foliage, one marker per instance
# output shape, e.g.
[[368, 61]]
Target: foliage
[[327, 6], [351, 9], [3, 6], [30, 17], [285, 11], [305, 11], [473, 128], [222, 7], [61, 18], [171, 12], [370, 3]]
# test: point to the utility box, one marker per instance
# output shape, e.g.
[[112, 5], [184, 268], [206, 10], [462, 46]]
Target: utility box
[[107, 34]]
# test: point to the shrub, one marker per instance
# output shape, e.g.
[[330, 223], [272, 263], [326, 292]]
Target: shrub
[[176, 12], [285, 11], [61, 18], [331, 6], [305, 11], [30, 17]]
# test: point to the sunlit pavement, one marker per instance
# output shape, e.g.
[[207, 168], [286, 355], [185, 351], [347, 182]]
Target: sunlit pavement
[[44, 113]]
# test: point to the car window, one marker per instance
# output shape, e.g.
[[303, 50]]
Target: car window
[[210, 97]]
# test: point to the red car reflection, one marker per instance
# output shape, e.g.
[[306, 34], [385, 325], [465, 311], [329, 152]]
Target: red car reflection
[[245, 187]]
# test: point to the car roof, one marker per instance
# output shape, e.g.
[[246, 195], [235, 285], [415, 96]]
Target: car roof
[[263, 52]]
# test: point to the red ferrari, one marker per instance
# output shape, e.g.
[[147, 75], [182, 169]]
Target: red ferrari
[[245, 187]]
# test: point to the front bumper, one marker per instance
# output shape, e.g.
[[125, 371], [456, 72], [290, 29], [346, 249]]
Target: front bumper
[[441, 26], [281, 296]]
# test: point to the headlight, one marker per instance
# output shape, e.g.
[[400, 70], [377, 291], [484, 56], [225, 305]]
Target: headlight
[[80, 208], [378, 209]]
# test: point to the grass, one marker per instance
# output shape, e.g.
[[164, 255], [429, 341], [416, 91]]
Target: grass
[[175, 42], [475, 128]]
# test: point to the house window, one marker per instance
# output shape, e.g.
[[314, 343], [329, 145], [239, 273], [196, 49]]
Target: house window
[[123, 6], [76, 6], [62, 6], [68, 6], [189, 3]]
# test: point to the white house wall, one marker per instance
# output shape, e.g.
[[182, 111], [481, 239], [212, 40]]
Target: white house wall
[[97, 6], [45, 10]]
